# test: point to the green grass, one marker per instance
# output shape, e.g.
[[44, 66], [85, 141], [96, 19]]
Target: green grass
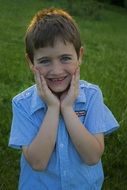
[[105, 63]]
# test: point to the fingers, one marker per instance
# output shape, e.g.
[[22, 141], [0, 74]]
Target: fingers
[[40, 81], [43, 82], [37, 79], [43, 91], [75, 79], [77, 74]]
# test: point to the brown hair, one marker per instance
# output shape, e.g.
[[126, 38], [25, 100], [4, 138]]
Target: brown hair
[[46, 26]]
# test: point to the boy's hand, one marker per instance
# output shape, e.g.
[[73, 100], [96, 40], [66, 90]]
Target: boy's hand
[[44, 92], [67, 99]]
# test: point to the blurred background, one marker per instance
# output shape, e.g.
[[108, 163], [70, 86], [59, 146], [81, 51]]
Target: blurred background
[[103, 28]]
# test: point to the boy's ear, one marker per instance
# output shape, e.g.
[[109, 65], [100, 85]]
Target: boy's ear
[[29, 63], [81, 52]]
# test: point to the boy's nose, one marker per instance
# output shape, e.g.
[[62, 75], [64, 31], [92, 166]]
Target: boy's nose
[[57, 68]]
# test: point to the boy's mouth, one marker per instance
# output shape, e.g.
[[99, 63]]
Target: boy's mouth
[[57, 79]]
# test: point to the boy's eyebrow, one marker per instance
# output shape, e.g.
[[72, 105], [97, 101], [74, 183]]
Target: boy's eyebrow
[[65, 55], [39, 59]]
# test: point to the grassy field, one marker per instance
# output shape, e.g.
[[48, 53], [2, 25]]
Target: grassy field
[[105, 64]]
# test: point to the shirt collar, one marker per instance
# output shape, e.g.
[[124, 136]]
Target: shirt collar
[[36, 102], [81, 96]]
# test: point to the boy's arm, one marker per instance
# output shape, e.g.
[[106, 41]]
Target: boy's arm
[[90, 147], [39, 151]]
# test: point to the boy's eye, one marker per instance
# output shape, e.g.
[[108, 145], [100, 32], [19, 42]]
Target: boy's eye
[[66, 58], [45, 61]]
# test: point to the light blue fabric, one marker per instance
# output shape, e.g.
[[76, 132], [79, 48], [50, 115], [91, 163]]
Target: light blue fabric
[[66, 170]]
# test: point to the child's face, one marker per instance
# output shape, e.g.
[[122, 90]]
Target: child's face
[[57, 64]]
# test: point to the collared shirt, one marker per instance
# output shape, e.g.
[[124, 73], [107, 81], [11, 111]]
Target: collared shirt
[[66, 170]]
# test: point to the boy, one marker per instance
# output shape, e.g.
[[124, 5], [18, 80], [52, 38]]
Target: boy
[[60, 122]]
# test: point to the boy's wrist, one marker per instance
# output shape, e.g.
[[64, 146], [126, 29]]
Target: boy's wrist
[[54, 108], [65, 109]]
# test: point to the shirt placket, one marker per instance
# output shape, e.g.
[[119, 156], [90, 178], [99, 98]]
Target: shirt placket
[[63, 155]]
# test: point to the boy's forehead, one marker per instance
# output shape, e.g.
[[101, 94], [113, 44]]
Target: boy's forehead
[[58, 43], [58, 48]]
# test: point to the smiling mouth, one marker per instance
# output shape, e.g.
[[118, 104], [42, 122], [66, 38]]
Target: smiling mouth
[[56, 79]]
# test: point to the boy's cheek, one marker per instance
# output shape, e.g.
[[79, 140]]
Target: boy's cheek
[[75, 70], [39, 68]]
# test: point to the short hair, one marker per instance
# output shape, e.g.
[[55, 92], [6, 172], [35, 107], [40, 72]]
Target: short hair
[[48, 25]]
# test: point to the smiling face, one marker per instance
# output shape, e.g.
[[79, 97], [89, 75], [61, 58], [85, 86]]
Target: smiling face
[[57, 64]]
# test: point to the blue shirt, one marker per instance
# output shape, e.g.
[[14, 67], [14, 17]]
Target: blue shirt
[[66, 170]]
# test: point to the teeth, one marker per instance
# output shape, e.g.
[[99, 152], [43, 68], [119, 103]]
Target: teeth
[[59, 79]]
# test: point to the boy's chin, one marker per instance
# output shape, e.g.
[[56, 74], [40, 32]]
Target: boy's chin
[[59, 93]]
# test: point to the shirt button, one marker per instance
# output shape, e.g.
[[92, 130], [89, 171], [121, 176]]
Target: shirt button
[[27, 94], [61, 145]]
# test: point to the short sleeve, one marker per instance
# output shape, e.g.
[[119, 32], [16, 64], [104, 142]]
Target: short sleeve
[[23, 130], [99, 119]]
